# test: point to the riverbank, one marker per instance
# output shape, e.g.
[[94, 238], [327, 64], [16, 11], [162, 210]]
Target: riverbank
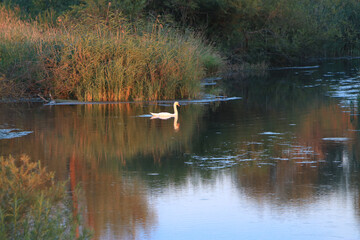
[[151, 50]]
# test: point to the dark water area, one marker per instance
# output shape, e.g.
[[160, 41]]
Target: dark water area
[[282, 162]]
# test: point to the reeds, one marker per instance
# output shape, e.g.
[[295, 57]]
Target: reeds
[[103, 61], [21, 45]]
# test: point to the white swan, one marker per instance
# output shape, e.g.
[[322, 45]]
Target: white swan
[[166, 115]]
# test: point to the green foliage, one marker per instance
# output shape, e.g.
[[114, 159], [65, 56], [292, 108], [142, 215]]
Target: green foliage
[[212, 62], [32, 206], [279, 31], [45, 11], [36, 7]]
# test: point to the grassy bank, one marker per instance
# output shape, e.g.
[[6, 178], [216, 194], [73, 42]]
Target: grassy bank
[[277, 32], [104, 58], [101, 50], [32, 206]]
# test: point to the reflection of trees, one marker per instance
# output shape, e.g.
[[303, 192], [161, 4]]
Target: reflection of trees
[[291, 179], [280, 183], [95, 140], [291, 165], [101, 132]]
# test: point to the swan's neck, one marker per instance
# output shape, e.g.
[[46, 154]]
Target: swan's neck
[[175, 110]]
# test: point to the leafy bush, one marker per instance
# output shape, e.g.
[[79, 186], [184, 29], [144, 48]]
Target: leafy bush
[[32, 205]]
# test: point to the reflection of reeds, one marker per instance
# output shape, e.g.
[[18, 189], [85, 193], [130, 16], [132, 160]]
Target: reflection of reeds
[[115, 131], [105, 138], [101, 136], [115, 201], [92, 143], [108, 135]]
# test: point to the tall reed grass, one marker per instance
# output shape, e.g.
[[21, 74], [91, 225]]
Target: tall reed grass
[[21, 46], [100, 61], [32, 205]]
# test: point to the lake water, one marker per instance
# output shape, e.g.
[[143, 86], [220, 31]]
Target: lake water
[[282, 162]]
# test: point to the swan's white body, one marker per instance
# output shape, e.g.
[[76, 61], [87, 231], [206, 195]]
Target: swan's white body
[[167, 115]]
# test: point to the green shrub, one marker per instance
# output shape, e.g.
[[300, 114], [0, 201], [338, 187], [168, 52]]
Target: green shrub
[[32, 205]]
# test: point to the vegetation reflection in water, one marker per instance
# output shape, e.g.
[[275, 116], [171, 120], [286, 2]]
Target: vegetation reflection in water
[[93, 145], [279, 148]]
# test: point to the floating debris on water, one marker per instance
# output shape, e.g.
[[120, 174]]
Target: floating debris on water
[[337, 139], [296, 67], [13, 133], [264, 163], [270, 133], [247, 160], [254, 143], [280, 159], [210, 81], [153, 174], [307, 162], [145, 115], [299, 158]]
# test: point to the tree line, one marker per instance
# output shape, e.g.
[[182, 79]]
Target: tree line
[[275, 31]]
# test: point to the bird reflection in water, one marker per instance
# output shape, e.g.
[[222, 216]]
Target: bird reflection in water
[[166, 116]]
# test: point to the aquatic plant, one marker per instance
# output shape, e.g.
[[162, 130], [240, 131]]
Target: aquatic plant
[[32, 205], [106, 59]]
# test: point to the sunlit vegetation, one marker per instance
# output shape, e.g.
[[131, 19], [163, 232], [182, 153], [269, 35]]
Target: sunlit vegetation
[[99, 50], [32, 205], [96, 54]]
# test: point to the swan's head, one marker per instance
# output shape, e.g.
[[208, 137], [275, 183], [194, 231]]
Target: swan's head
[[176, 104]]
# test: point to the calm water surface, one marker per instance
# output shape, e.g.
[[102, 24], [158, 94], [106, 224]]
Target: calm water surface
[[282, 162]]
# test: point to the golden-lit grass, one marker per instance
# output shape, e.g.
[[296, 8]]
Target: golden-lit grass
[[101, 63], [22, 46]]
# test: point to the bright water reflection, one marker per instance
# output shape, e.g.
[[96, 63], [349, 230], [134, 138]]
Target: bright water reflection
[[280, 163]]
